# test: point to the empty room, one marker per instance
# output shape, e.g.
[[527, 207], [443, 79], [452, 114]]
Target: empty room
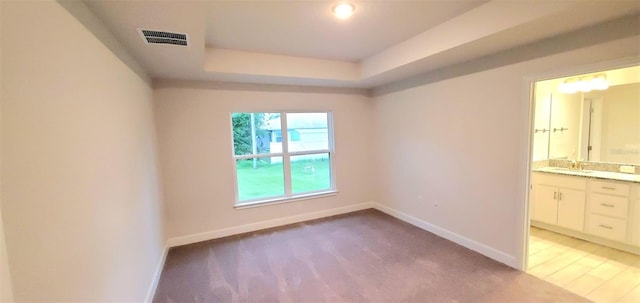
[[320, 151]]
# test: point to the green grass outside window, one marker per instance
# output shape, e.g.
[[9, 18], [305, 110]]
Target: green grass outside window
[[267, 180]]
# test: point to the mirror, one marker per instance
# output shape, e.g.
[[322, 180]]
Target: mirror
[[597, 124]]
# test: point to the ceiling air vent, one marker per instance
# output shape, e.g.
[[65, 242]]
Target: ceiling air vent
[[160, 37]]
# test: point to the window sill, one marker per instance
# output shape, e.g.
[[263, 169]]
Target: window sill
[[260, 203]]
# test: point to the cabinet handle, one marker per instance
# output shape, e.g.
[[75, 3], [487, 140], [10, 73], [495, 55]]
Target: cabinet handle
[[609, 188], [606, 205], [605, 226], [555, 195], [559, 196]]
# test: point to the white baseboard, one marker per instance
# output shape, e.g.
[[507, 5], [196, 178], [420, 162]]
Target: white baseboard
[[451, 236], [442, 232], [156, 276], [229, 231]]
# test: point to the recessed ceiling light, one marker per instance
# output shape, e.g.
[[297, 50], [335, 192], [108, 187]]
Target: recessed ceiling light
[[343, 10]]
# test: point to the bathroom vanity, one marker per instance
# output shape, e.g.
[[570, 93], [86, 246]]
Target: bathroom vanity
[[586, 158], [597, 206]]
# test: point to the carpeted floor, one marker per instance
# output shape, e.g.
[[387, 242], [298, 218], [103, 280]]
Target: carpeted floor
[[365, 256]]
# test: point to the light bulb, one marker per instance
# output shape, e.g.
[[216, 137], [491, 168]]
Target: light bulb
[[599, 83], [343, 10], [568, 88], [583, 86]]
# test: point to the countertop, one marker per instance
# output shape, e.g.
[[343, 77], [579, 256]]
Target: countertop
[[607, 175]]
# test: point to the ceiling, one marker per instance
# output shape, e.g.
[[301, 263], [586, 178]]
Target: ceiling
[[309, 29], [301, 43]]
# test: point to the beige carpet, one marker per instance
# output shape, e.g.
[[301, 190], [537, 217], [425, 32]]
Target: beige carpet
[[365, 256]]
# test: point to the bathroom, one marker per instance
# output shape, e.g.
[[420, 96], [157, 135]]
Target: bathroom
[[584, 204]]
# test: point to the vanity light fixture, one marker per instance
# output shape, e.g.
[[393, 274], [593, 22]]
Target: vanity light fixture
[[343, 10], [584, 84]]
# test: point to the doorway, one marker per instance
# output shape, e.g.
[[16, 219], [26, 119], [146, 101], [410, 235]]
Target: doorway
[[584, 199]]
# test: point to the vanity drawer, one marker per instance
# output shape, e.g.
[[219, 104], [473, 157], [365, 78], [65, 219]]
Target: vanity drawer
[[606, 227], [609, 205], [609, 188]]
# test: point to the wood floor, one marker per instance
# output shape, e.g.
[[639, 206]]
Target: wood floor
[[365, 256], [599, 273]]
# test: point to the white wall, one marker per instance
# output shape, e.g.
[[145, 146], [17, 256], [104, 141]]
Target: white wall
[[80, 198], [194, 135], [463, 143], [6, 289]]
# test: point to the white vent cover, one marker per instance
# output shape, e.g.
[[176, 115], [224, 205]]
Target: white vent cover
[[161, 37]]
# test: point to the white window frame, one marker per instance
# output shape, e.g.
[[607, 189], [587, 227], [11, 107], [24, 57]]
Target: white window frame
[[288, 196]]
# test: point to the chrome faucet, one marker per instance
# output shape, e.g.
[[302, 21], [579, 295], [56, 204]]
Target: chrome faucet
[[576, 165]]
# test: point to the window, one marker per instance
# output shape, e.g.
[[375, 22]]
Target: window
[[272, 164]]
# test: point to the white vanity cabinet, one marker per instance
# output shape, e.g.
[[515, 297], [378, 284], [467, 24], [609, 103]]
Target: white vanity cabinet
[[559, 200], [603, 211], [608, 209]]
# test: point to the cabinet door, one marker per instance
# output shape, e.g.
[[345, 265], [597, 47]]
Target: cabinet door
[[571, 209], [545, 205]]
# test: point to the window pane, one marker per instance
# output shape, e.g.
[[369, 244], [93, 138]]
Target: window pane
[[307, 131], [310, 173], [259, 137], [260, 178]]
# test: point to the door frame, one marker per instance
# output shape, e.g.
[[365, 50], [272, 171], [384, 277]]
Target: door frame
[[528, 119]]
